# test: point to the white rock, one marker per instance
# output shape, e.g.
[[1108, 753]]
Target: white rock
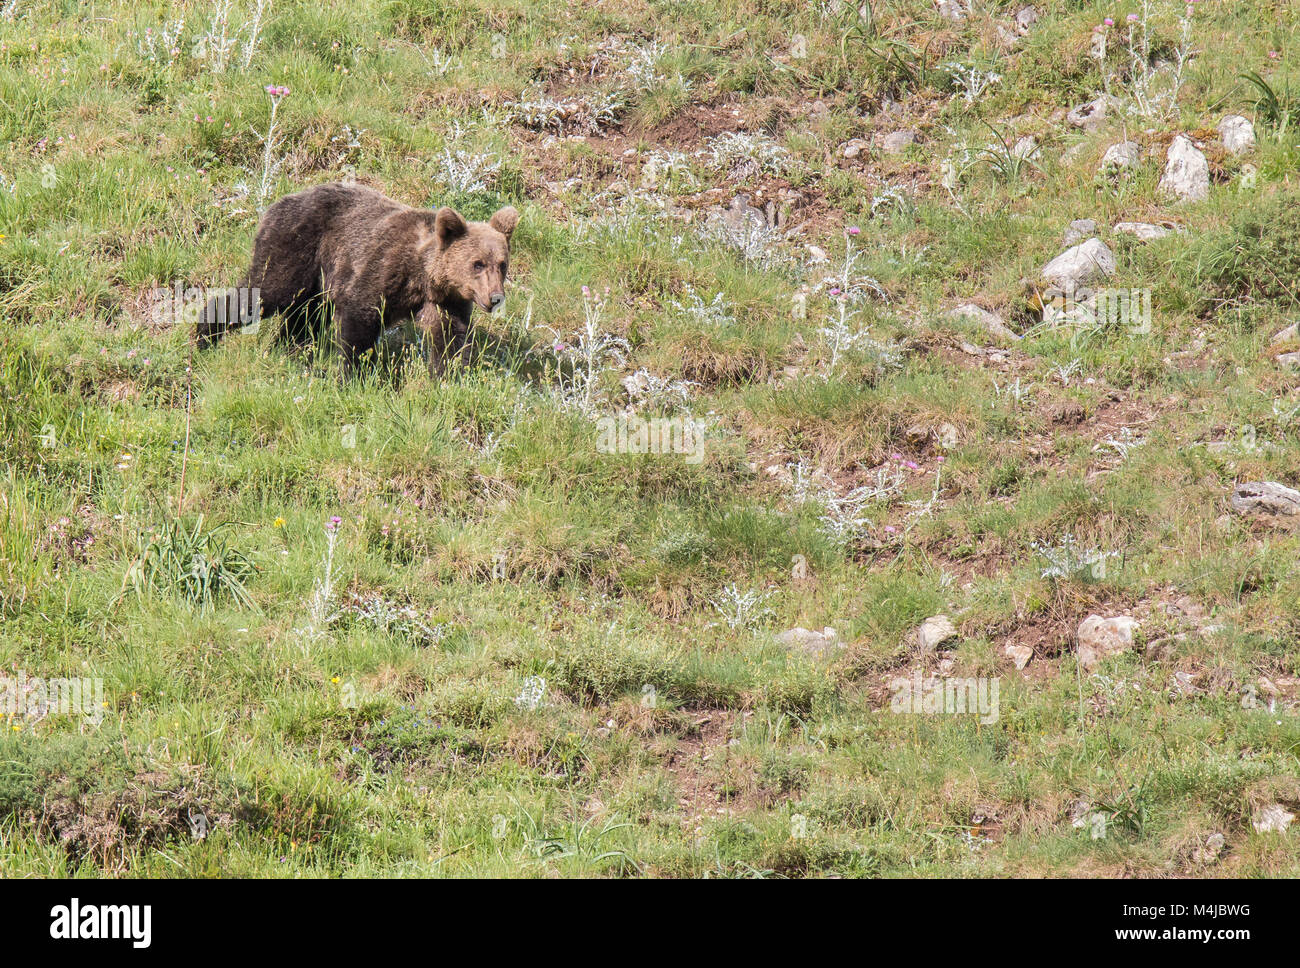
[[1268, 497], [1274, 818], [1143, 230], [1078, 266], [812, 642], [945, 435], [1238, 134], [1100, 638], [896, 142], [1026, 17], [1290, 360], [953, 10], [1187, 173], [991, 322], [1071, 154], [854, 148], [1026, 147], [1019, 654], [817, 254], [934, 632], [1092, 115], [1209, 853], [1288, 333], [1126, 154], [1078, 230]]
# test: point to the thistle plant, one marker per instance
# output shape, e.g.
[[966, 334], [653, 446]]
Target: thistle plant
[[271, 159], [590, 354], [321, 612], [742, 609]]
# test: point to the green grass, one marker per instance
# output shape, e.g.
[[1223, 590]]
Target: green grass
[[516, 655]]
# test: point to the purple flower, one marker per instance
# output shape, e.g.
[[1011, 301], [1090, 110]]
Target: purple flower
[[854, 230]]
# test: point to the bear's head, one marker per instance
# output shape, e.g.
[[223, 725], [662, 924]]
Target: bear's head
[[473, 256]]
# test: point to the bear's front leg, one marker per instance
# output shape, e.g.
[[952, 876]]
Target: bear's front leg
[[446, 333]]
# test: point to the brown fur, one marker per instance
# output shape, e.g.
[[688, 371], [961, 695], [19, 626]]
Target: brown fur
[[379, 262]]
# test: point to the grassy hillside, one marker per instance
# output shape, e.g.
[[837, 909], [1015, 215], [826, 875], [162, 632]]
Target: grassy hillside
[[406, 626]]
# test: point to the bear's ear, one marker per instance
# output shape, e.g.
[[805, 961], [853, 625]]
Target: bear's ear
[[505, 220], [449, 225]]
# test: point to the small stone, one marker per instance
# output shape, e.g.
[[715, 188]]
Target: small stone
[[1092, 115], [1238, 134], [934, 632], [1026, 17], [854, 148], [1290, 360], [1209, 853], [1274, 818], [991, 323], [1078, 230], [1266, 497], [1126, 154], [1100, 638], [952, 10], [1289, 333], [1185, 683], [1144, 231], [1026, 148], [1080, 265], [897, 142], [816, 644], [817, 253], [1072, 154], [1019, 654], [945, 435], [1187, 173]]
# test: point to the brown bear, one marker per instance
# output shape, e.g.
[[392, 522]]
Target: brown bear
[[378, 262]]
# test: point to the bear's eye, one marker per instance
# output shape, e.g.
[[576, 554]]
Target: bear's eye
[[479, 266]]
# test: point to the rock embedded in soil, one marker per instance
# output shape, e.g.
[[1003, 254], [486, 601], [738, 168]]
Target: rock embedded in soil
[[1100, 638], [1274, 818], [1266, 497], [1079, 230], [897, 142], [1126, 154], [1080, 265], [991, 323], [1092, 115], [1187, 173], [813, 643], [1238, 134], [1144, 231], [934, 632], [1019, 654]]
